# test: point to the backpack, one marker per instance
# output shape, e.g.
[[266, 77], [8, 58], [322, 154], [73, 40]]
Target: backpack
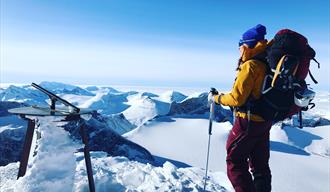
[[285, 91]]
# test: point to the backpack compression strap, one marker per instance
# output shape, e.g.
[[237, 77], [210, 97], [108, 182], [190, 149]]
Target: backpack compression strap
[[312, 77], [310, 73]]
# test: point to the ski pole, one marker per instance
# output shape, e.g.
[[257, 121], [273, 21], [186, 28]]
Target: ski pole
[[214, 91], [300, 119]]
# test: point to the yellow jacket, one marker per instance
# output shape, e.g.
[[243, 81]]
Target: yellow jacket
[[248, 82]]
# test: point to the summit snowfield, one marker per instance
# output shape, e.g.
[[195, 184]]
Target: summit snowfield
[[155, 140]]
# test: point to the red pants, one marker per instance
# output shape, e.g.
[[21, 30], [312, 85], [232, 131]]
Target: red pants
[[248, 147]]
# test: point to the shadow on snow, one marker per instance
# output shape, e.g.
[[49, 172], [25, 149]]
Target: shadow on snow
[[285, 148]]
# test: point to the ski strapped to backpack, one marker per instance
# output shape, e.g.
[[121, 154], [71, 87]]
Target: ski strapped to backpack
[[285, 91]]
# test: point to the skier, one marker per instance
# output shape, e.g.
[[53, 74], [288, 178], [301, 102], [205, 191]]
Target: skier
[[248, 142]]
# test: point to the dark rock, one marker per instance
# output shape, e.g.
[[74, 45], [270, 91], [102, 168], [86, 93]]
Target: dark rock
[[104, 138], [11, 139]]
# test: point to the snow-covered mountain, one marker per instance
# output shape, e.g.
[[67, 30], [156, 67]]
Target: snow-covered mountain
[[116, 122], [23, 94], [142, 141], [108, 102], [61, 88], [172, 96], [144, 108], [95, 89]]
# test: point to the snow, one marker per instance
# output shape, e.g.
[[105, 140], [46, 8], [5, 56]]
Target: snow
[[293, 172], [321, 145], [11, 122], [143, 108], [172, 126], [8, 175], [53, 86], [108, 102], [23, 94], [120, 174], [52, 169], [299, 160], [188, 137]]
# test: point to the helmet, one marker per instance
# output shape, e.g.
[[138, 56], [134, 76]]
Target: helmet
[[304, 97]]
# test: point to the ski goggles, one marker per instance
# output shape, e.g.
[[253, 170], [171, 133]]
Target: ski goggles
[[249, 42]]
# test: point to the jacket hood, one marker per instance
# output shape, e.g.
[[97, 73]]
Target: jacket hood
[[259, 48]]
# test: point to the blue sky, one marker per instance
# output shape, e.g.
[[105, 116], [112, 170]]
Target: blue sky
[[138, 42]]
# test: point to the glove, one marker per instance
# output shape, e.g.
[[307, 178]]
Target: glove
[[210, 98]]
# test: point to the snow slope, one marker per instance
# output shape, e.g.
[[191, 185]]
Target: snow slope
[[303, 152], [120, 174], [295, 167], [184, 140]]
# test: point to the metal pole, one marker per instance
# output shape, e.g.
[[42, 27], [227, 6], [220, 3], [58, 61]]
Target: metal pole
[[209, 142], [89, 169], [300, 120], [26, 148]]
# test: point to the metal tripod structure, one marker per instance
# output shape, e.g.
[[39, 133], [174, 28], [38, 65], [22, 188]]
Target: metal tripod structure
[[71, 114]]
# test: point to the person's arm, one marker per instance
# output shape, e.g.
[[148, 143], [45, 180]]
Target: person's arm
[[241, 89]]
